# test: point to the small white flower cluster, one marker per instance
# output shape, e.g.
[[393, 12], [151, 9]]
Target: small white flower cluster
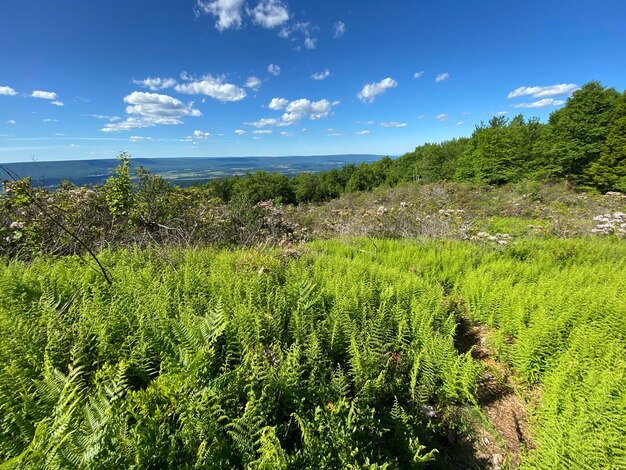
[[616, 194], [451, 212], [382, 210], [499, 238], [16, 226], [610, 223]]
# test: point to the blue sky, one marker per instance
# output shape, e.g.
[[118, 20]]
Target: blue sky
[[287, 77]]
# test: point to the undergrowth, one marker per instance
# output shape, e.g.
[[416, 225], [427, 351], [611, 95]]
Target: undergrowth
[[341, 356]]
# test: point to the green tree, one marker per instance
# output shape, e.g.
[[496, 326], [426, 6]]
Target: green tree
[[579, 130], [118, 189], [609, 171]]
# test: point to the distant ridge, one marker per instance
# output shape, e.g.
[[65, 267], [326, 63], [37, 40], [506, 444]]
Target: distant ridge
[[183, 171]]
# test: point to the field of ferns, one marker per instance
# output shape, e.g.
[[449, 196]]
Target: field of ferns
[[332, 355]]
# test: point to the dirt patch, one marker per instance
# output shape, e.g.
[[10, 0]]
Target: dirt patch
[[499, 442]]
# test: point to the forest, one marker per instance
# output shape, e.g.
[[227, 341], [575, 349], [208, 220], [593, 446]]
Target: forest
[[460, 306]]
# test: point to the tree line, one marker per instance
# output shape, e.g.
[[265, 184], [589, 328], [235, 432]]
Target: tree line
[[583, 142]]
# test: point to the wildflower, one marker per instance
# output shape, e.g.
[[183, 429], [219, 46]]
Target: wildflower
[[16, 225]]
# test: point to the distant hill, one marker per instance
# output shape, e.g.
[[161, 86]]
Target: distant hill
[[183, 171]]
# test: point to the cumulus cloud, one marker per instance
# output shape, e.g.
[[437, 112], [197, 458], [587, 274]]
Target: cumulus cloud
[[321, 75], [298, 109], [544, 103], [200, 135], [58, 103], [278, 103], [262, 131], [254, 83], [44, 95], [50, 120], [370, 91], [151, 109], [214, 87], [544, 91], [393, 124], [442, 77], [274, 69], [228, 13], [442, 117], [269, 13], [7, 91], [240, 131], [295, 111], [366, 132], [156, 83], [339, 29], [418, 74], [11, 121], [286, 134]]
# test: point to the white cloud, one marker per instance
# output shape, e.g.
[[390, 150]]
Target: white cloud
[[227, 12], [240, 132], [544, 103], [262, 131], [544, 91], [254, 83], [339, 29], [50, 120], [310, 42], [305, 29], [44, 95], [321, 75], [105, 118], [313, 109], [369, 123], [334, 134], [501, 113], [421, 116], [286, 134], [278, 103], [460, 123], [393, 124], [418, 74], [295, 111], [370, 91], [273, 69], [200, 135], [214, 87], [137, 138], [442, 76], [442, 117], [269, 13], [7, 91], [151, 109], [362, 132], [58, 103], [11, 121], [156, 83], [264, 122]]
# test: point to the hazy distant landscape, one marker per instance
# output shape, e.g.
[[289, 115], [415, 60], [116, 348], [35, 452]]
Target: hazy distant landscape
[[182, 171]]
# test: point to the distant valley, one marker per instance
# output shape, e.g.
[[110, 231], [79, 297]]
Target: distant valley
[[183, 171]]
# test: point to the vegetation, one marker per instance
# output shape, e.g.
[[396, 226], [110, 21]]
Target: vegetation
[[244, 324], [341, 356]]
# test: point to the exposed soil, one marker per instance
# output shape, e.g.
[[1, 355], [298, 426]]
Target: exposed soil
[[499, 443]]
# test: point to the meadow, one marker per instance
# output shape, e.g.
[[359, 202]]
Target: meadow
[[333, 354]]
